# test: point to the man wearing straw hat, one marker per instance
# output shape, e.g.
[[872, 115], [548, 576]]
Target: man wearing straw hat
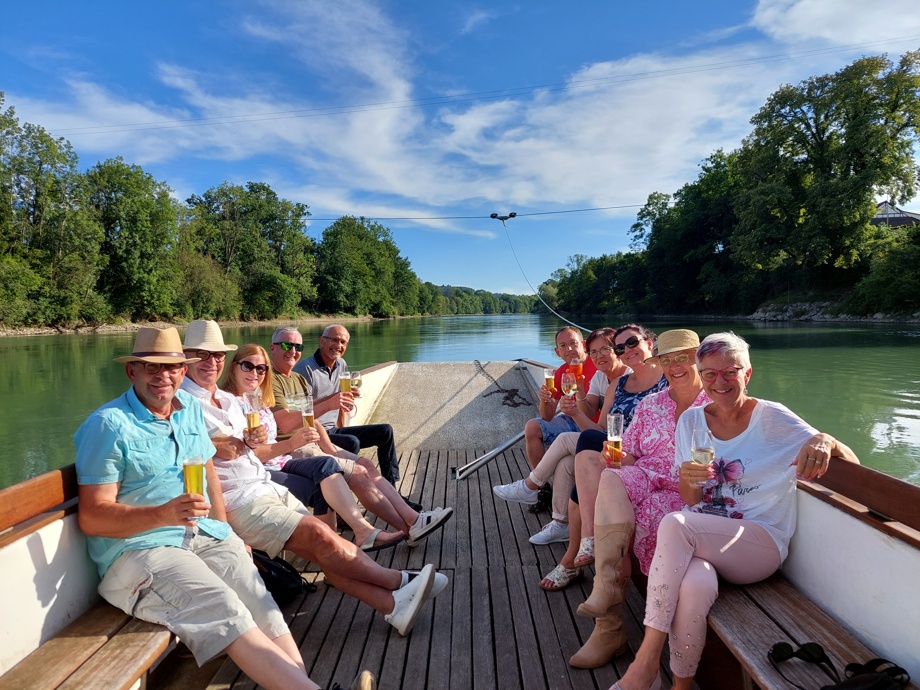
[[164, 555], [267, 517]]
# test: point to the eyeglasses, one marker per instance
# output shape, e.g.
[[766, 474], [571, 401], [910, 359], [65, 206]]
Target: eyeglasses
[[631, 342], [287, 347], [204, 355], [248, 366], [572, 343], [810, 652], [340, 341], [594, 354], [153, 368], [666, 361], [729, 374]]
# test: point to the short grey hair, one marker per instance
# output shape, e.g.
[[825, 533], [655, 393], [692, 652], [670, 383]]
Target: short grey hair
[[727, 344], [329, 328], [278, 335]]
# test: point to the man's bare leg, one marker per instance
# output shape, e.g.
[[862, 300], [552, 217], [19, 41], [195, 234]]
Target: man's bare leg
[[533, 442], [339, 497], [270, 662]]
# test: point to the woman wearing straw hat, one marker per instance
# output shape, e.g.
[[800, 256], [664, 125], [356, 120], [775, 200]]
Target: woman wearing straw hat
[[636, 496]]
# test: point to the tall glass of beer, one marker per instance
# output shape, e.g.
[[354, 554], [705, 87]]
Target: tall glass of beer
[[307, 411], [193, 474], [253, 401]]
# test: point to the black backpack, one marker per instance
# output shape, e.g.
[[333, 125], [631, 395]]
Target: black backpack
[[281, 579]]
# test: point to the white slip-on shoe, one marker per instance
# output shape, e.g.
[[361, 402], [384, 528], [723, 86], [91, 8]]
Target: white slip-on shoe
[[428, 521], [408, 600], [437, 586], [517, 492], [552, 532]]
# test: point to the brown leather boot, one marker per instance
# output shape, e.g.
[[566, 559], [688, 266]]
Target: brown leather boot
[[611, 546], [606, 642]]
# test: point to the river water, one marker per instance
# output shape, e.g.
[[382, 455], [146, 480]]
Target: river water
[[858, 382]]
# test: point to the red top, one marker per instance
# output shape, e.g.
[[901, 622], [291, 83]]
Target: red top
[[588, 371]]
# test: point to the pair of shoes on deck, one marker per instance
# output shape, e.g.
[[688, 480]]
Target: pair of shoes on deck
[[428, 521], [418, 587], [363, 681]]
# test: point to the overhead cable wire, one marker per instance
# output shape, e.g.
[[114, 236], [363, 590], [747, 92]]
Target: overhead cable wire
[[518, 215], [460, 98]]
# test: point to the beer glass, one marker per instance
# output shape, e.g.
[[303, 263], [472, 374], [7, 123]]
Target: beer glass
[[576, 367], [193, 474], [549, 375], [307, 411], [356, 382], [345, 381], [613, 446]]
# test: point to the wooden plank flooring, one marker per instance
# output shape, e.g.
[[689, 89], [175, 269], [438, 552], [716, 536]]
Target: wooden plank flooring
[[493, 627]]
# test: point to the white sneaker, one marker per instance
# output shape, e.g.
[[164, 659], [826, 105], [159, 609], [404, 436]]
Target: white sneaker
[[428, 521], [408, 600], [517, 492], [552, 532], [437, 585]]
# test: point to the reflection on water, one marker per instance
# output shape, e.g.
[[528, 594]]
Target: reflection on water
[[858, 382]]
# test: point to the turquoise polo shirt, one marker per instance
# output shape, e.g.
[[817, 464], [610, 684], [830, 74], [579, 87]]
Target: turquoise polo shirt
[[125, 443]]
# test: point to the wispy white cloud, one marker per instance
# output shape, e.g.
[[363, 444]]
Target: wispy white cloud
[[476, 19], [619, 130]]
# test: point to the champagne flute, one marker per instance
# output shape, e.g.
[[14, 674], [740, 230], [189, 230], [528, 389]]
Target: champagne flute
[[569, 383], [253, 408], [702, 449]]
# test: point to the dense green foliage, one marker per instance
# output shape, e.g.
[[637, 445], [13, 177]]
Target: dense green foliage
[[111, 243], [788, 215]]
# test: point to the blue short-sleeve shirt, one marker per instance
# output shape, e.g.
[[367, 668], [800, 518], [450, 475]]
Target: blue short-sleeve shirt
[[125, 443], [323, 381]]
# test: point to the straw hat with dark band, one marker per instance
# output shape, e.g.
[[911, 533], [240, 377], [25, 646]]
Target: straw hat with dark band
[[674, 341], [157, 346]]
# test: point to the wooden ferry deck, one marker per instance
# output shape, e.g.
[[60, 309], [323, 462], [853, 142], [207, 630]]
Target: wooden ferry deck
[[493, 627]]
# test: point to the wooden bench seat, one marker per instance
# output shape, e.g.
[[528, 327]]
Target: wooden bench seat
[[102, 647]]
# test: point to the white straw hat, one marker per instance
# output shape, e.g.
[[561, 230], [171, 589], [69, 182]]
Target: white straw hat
[[206, 335]]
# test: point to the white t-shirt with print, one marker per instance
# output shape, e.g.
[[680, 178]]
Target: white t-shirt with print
[[754, 478]]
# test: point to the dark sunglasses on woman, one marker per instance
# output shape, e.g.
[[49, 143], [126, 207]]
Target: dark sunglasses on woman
[[249, 366], [631, 342]]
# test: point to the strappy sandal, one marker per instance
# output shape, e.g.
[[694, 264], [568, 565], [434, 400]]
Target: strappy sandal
[[559, 578], [585, 552]]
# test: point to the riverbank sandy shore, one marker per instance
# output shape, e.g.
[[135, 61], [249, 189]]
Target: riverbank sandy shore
[[128, 327]]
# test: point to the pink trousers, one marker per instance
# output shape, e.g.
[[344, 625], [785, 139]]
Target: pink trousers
[[693, 550]]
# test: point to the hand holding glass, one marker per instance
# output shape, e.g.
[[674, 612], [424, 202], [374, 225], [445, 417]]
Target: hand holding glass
[[253, 408], [569, 383], [702, 449]]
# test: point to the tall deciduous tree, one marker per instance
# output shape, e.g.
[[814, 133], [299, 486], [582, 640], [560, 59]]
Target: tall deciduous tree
[[818, 155], [139, 221]]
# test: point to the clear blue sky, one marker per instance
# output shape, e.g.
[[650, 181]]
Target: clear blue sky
[[431, 109]]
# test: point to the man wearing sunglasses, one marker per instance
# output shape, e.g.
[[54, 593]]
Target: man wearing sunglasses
[[322, 371], [156, 547], [267, 517]]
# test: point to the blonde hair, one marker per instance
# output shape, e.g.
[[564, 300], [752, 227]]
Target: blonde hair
[[247, 350]]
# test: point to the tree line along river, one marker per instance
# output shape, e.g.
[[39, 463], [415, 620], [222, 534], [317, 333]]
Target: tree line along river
[[860, 382]]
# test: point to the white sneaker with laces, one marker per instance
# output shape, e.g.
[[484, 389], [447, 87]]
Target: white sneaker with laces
[[552, 532], [427, 522], [516, 492]]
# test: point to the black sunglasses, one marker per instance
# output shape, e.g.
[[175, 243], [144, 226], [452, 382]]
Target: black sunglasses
[[810, 652], [287, 347], [631, 342], [246, 365]]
